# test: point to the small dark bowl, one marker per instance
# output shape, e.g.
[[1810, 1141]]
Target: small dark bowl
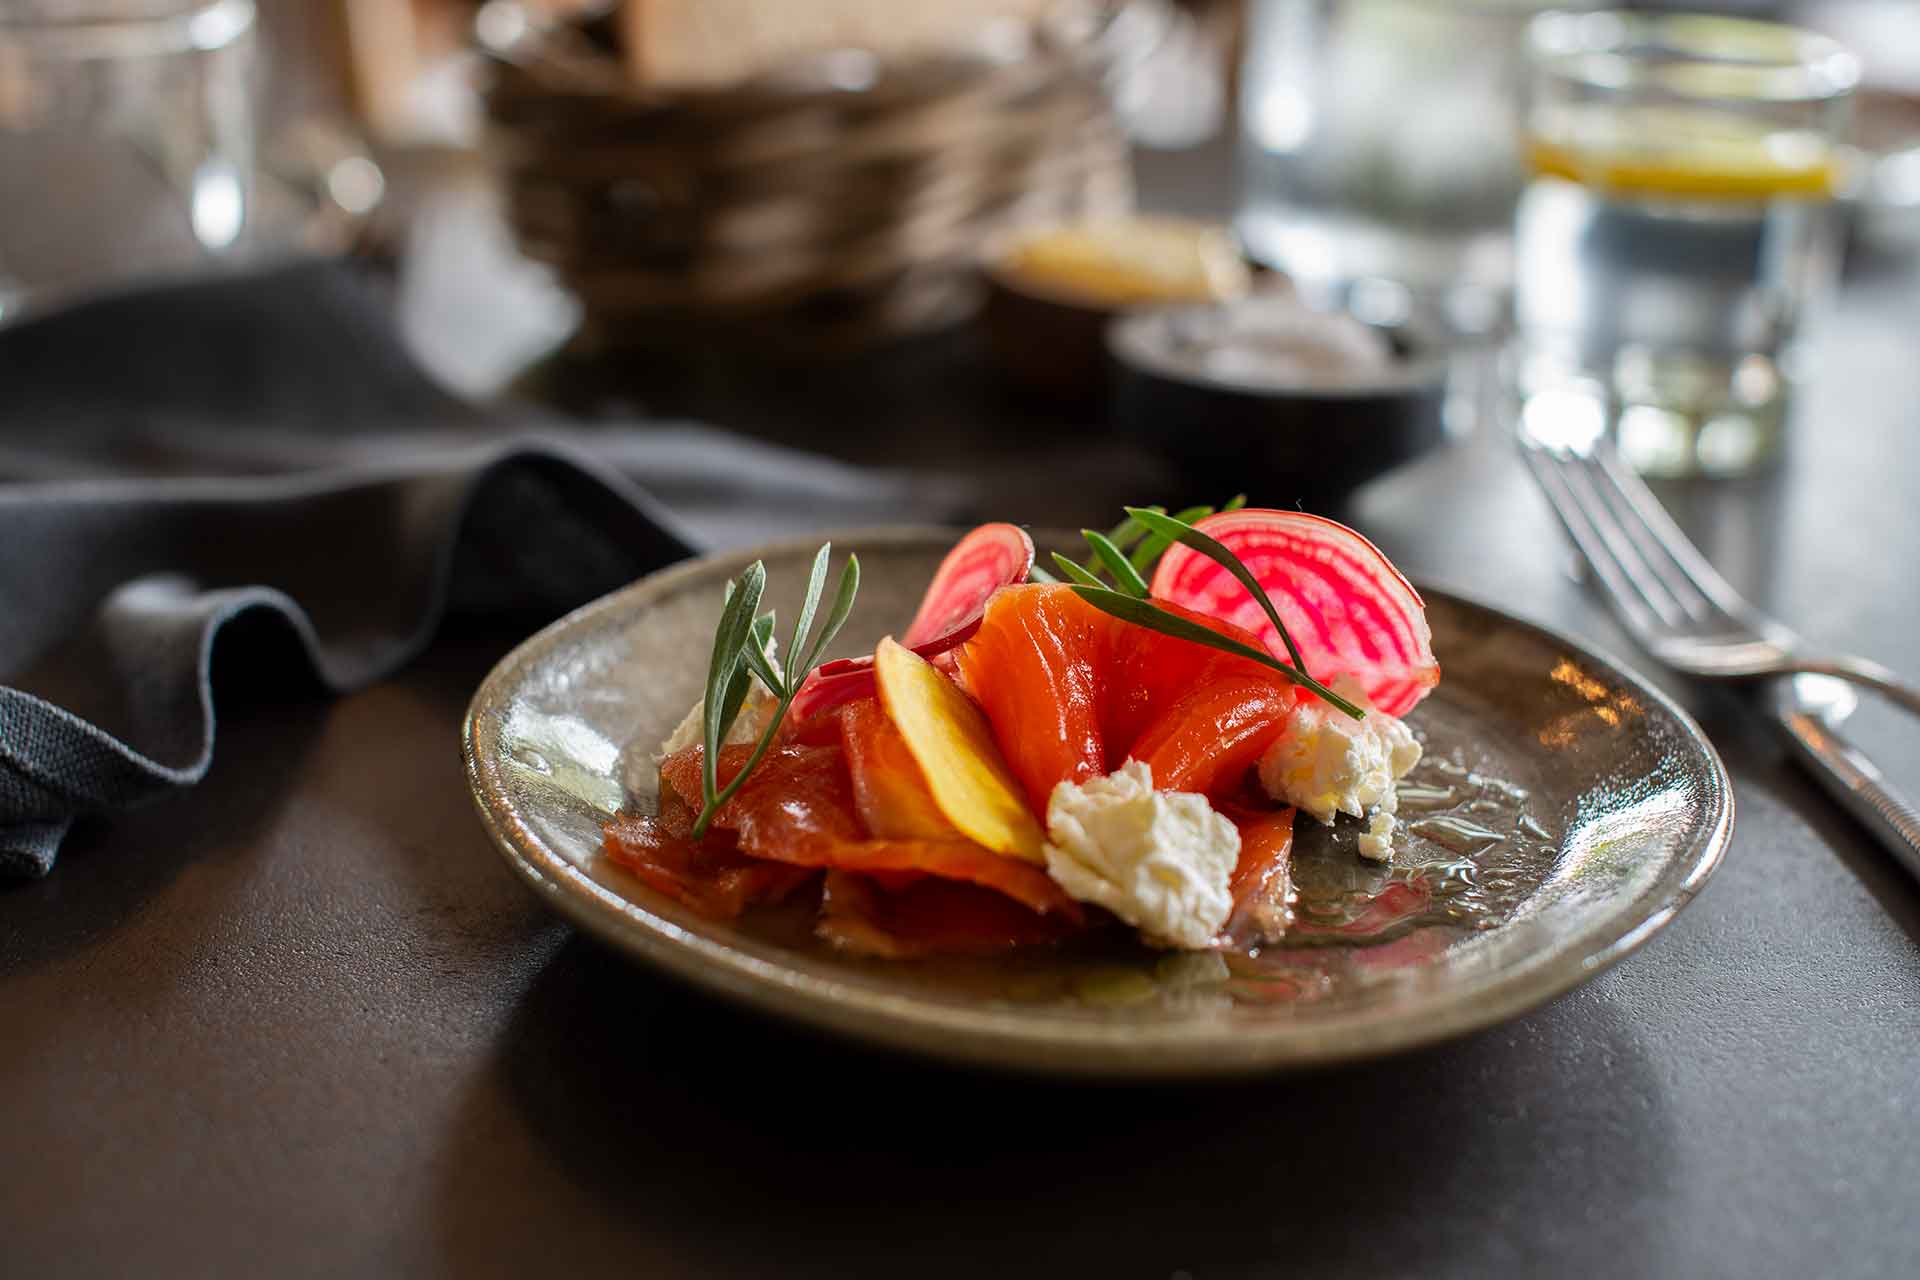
[[1310, 440], [1049, 345], [1048, 337]]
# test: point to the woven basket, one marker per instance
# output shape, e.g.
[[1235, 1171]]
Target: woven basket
[[841, 203]]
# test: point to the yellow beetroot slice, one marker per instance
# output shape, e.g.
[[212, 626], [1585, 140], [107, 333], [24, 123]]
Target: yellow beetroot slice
[[954, 745]]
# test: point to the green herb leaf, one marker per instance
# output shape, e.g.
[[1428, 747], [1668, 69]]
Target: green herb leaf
[[1037, 574], [816, 583], [759, 751], [1077, 571], [736, 624], [1236, 502], [1129, 531], [1124, 574], [1144, 613], [1187, 535], [740, 650], [1152, 547], [758, 660], [1122, 535], [743, 674], [836, 617]]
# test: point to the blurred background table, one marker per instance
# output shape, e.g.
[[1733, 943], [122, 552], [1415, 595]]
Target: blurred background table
[[302, 1021]]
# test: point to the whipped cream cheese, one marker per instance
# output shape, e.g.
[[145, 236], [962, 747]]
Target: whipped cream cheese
[[1327, 762], [1160, 860]]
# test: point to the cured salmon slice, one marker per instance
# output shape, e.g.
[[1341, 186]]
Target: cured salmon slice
[[1208, 740], [1035, 668], [795, 793], [1072, 693], [709, 876], [928, 916], [1262, 882], [798, 807], [1146, 672], [821, 729], [890, 790]]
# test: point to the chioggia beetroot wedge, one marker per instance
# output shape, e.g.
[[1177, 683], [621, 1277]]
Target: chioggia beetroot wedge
[[1348, 609], [988, 558]]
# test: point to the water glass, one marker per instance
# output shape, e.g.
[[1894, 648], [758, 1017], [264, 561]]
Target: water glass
[[1379, 154], [1677, 225], [126, 138]]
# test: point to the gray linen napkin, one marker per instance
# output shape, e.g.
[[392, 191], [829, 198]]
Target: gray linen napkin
[[253, 466]]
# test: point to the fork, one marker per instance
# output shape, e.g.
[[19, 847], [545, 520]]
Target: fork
[[1679, 608]]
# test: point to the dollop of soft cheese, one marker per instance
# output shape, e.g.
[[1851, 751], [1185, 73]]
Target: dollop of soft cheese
[[1327, 762], [756, 711], [1160, 860]]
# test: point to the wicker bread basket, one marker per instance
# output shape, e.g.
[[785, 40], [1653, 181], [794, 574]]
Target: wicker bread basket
[[838, 204]]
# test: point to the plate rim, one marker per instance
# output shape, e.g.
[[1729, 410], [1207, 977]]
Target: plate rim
[[1113, 1049]]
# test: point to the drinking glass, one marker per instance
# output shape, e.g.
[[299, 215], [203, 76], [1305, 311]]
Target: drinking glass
[[1379, 153], [1677, 225], [126, 141]]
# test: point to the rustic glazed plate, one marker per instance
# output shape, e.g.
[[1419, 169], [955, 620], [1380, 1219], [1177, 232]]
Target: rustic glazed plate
[[1564, 812]]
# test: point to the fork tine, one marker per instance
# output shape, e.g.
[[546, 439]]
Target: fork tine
[[1672, 539], [1631, 604], [1577, 470], [1653, 550]]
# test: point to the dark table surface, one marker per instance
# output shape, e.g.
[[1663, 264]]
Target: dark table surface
[[302, 1021]]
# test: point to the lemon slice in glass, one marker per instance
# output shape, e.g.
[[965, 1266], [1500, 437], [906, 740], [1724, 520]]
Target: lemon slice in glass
[[1682, 153]]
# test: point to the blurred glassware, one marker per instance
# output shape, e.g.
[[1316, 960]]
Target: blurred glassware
[[1885, 192], [126, 138], [1379, 160], [1678, 224], [1883, 186], [1166, 70]]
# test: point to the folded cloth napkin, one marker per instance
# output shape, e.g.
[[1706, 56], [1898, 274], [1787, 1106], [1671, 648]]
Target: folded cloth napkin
[[254, 465]]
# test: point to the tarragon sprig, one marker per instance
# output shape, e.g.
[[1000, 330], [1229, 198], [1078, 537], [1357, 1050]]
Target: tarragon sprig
[[1128, 599], [740, 644], [1143, 548]]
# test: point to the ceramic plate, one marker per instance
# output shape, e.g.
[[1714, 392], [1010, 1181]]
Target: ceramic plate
[[1565, 810]]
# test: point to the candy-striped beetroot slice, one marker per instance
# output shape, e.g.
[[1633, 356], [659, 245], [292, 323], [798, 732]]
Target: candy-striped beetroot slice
[[1348, 609], [990, 557], [823, 691]]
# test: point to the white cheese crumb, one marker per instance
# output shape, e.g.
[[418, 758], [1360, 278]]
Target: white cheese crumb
[[1327, 762], [756, 711], [1376, 842], [1160, 860]]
